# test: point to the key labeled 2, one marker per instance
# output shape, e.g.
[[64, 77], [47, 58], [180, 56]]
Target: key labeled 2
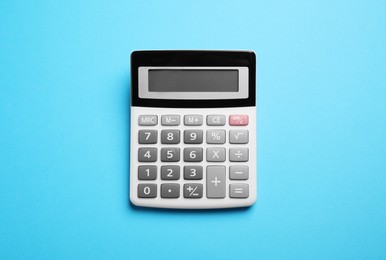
[[170, 172]]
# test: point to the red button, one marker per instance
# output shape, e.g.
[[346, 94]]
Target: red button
[[238, 120]]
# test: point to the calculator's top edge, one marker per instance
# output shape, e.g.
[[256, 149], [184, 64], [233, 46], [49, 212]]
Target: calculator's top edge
[[245, 60], [158, 51]]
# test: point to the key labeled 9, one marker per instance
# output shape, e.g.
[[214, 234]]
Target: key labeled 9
[[193, 136]]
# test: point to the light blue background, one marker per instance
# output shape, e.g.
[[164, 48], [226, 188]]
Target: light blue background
[[64, 129]]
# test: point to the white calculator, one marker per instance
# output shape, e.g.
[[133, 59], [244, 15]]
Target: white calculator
[[193, 129]]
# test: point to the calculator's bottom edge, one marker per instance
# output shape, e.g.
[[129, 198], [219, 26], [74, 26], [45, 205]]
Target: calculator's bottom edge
[[224, 205]]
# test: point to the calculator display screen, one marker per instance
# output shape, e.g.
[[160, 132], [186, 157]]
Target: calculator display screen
[[185, 80], [193, 83]]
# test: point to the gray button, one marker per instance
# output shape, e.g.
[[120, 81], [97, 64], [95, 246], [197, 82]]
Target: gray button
[[170, 154], [147, 154], [215, 120], [215, 154], [170, 136], [193, 136], [238, 172], [147, 172], [238, 136], [170, 172], [193, 154], [238, 154], [193, 120], [215, 181], [193, 172], [215, 136], [170, 120], [239, 190], [193, 190], [148, 120], [147, 190], [170, 190], [147, 136]]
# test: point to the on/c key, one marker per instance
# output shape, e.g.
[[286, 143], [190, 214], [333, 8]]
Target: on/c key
[[238, 120]]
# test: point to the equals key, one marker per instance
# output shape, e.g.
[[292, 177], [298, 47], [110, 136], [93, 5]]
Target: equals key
[[239, 190]]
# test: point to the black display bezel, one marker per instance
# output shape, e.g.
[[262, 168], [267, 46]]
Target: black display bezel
[[193, 58]]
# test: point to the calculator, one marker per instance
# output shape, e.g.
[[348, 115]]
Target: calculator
[[193, 129]]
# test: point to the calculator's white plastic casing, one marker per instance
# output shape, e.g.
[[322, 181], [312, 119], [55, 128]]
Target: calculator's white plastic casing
[[204, 202], [146, 103]]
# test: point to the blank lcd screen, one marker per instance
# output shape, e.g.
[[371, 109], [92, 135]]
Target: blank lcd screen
[[173, 80]]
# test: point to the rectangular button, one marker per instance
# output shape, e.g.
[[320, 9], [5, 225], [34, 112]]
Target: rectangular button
[[238, 154], [193, 136], [170, 190], [193, 120], [170, 136], [215, 136], [215, 181], [215, 154], [193, 172], [238, 136], [238, 172], [147, 190], [147, 172], [170, 172], [238, 120], [147, 154], [170, 154], [214, 120], [147, 136], [239, 190], [193, 154], [148, 120], [193, 190], [171, 120]]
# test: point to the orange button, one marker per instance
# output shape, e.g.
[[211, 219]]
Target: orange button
[[238, 120]]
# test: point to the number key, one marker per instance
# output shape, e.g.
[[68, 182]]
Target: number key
[[193, 154], [170, 136], [147, 172], [193, 172], [170, 154], [170, 172], [147, 190], [193, 136], [147, 136], [147, 154]]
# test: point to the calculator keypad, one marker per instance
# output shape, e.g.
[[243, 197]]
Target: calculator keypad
[[195, 159]]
